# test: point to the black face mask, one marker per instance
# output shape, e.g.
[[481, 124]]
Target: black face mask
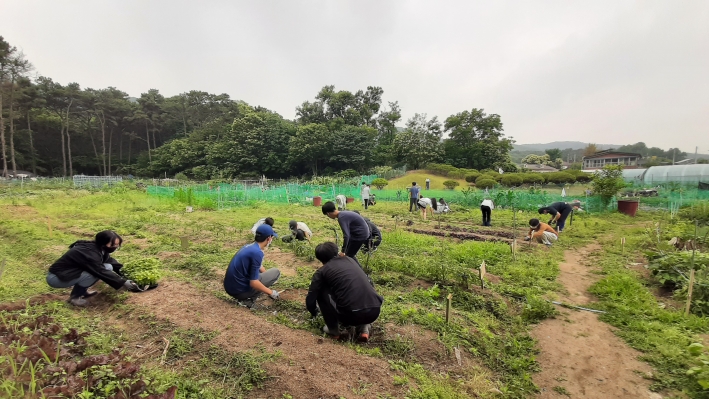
[[110, 250]]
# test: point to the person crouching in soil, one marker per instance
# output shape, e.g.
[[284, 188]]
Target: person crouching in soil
[[299, 231], [85, 264], [246, 279], [341, 291], [541, 233]]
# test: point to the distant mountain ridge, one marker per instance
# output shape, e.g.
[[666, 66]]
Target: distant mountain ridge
[[562, 145]]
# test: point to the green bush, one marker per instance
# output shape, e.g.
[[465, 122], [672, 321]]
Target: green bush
[[181, 176], [471, 176], [485, 183], [451, 184], [583, 177], [560, 177], [380, 183], [511, 180], [457, 174], [533, 178]]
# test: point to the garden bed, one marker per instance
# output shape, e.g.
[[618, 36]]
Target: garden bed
[[486, 232], [463, 235]]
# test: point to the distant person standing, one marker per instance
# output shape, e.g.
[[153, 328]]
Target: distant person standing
[[414, 194], [486, 208], [428, 183], [365, 195]]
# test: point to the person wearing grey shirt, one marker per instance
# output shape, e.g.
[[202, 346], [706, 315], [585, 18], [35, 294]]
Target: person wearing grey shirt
[[355, 232]]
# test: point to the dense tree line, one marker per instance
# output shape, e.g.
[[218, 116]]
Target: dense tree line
[[61, 130]]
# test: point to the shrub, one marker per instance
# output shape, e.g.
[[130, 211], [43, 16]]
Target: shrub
[[511, 180], [584, 177], [533, 178], [451, 184], [471, 176], [380, 183], [608, 182], [560, 177], [181, 176], [485, 183], [457, 174]]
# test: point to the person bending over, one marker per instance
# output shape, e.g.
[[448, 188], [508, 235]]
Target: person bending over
[[427, 205], [268, 221], [246, 279], [355, 232], [442, 206], [299, 231], [375, 236], [541, 233], [341, 291], [85, 264], [560, 211], [341, 202], [486, 208]]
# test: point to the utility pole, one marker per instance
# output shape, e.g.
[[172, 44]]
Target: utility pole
[[695, 154], [673, 156]]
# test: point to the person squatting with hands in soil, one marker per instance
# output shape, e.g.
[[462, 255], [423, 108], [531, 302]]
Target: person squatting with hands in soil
[[85, 264], [560, 211], [341, 291], [299, 231], [246, 278], [541, 232], [355, 232]]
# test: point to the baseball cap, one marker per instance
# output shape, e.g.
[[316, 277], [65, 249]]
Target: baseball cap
[[263, 232]]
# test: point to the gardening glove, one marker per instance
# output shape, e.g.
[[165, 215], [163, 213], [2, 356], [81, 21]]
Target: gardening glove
[[527, 238], [274, 295], [132, 287]]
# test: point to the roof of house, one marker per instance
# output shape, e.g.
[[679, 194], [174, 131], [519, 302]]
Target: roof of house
[[538, 167], [612, 153]]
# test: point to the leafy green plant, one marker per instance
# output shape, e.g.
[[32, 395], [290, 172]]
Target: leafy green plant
[[608, 182], [485, 183], [700, 371], [145, 271]]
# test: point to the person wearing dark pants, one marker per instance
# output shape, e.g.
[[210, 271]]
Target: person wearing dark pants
[[355, 232], [85, 264], [560, 211], [486, 207], [414, 194], [375, 237], [246, 278], [341, 291]]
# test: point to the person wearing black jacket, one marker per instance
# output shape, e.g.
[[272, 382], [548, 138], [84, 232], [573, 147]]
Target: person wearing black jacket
[[85, 263], [560, 211], [342, 292]]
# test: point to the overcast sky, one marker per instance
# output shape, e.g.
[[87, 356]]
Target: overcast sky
[[609, 72]]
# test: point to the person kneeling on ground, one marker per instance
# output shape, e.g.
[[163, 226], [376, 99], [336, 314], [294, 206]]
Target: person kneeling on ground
[[269, 221], [299, 231], [85, 264], [246, 278], [541, 232], [342, 292]]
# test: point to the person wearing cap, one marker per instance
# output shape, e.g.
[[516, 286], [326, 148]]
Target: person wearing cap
[[269, 221], [355, 232], [541, 232], [342, 292], [246, 278], [299, 231], [560, 211]]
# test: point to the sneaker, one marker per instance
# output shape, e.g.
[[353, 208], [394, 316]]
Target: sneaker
[[364, 337], [247, 303], [80, 302], [89, 294], [327, 331]]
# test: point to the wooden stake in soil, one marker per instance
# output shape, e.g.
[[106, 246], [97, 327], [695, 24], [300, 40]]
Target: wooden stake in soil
[[689, 291], [622, 245], [185, 242], [449, 299], [483, 271]]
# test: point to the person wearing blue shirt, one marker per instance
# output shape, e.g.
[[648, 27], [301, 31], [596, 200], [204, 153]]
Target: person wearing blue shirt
[[414, 194], [246, 278]]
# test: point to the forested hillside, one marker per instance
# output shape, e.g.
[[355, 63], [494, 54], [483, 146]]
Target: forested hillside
[[55, 129]]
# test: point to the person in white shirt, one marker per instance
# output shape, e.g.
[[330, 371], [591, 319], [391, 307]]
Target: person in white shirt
[[299, 231], [486, 207], [268, 221], [365, 195], [442, 207], [427, 205]]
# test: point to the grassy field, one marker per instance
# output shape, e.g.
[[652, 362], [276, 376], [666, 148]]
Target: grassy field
[[420, 176], [484, 350]]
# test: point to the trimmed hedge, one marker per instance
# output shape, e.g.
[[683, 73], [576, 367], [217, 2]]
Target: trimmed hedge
[[511, 179], [485, 183]]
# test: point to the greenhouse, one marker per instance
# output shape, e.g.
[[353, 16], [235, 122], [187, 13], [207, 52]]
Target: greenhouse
[[676, 174], [634, 175]]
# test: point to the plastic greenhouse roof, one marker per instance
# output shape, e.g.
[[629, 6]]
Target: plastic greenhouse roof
[[677, 173]]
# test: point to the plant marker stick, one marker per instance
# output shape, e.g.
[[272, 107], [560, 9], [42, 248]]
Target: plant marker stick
[[689, 290], [448, 306], [622, 244], [483, 271]]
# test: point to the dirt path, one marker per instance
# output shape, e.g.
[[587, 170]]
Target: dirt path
[[580, 356], [311, 367]]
